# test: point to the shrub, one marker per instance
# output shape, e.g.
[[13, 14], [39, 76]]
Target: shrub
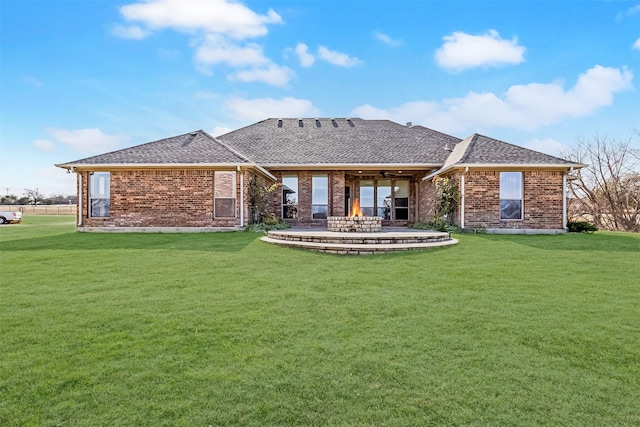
[[581, 227], [437, 225], [446, 204], [476, 230], [269, 222]]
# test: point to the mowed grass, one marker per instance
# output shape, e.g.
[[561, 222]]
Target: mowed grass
[[223, 329]]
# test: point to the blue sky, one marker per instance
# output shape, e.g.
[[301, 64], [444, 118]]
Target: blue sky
[[84, 77]]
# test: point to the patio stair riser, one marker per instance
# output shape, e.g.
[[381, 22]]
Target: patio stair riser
[[345, 243]]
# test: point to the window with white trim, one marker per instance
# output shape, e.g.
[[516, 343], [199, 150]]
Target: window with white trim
[[99, 194], [224, 194], [511, 190], [401, 194], [319, 196], [367, 197], [290, 196]]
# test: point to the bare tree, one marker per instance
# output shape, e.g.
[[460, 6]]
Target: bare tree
[[34, 196], [608, 190]]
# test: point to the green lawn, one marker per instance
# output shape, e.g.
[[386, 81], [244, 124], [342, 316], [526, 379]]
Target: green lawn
[[223, 329]]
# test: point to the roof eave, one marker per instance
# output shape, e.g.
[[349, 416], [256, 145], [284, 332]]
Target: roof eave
[[560, 166], [351, 166], [122, 166]]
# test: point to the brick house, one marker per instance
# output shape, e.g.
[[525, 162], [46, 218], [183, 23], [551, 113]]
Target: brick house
[[317, 168]]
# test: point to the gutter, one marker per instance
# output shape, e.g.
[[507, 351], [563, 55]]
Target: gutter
[[241, 197], [80, 201], [353, 166], [564, 200], [112, 166], [462, 197], [505, 166], [129, 166]]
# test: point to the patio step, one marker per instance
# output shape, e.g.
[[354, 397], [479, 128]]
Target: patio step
[[359, 243]]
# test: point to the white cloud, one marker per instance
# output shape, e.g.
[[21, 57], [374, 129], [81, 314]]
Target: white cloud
[[306, 59], [131, 32], [415, 112], [220, 130], [57, 180], [461, 51], [524, 107], [88, 140], [337, 58], [331, 56], [636, 44], [274, 75], [217, 29], [263, 108], [628, 13], [44, 145], [215, 49], [386, 39], [249, 60], [548, 146], [214, 16]]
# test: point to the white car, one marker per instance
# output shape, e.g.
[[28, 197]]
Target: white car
[[7, 217]]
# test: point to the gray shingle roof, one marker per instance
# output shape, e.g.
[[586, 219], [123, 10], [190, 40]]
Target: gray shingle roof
[[194, 147], [300, 142], [480, 149], [338, 141]]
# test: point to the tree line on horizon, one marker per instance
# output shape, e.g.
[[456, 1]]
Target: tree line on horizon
[[35, 198]]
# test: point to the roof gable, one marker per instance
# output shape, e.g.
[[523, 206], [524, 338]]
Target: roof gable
[[480, 149], [190, 148]]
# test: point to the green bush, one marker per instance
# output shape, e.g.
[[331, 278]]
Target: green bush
[[269, 222], [581, 227], [476, 230], [437, 225]]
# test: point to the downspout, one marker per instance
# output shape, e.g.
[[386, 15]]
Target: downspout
[[241, 198], [416, 216], [462, 197], [564, 200], [80, 200]]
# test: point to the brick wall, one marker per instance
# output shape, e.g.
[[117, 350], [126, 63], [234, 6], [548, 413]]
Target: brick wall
[[542, 202], [175, 198], [336, 193], [159, 198], [426, 201]]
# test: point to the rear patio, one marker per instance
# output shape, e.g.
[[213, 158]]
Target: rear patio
[[388, 239]]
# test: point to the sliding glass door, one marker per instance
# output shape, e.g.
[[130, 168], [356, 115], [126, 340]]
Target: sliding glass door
[[386, 198]]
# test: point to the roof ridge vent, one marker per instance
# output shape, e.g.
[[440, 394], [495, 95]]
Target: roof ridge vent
[[350, 122], [279, 123], [300, 123], [318, 123], [334, 123]]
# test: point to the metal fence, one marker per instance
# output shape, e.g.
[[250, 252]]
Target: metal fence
[[41, 209]]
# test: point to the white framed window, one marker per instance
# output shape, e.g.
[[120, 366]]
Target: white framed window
[[383, 199], [224, 194], [319, 196], [367, 197], [99, 194], [290, 197], [511, 189], [401, 195]]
